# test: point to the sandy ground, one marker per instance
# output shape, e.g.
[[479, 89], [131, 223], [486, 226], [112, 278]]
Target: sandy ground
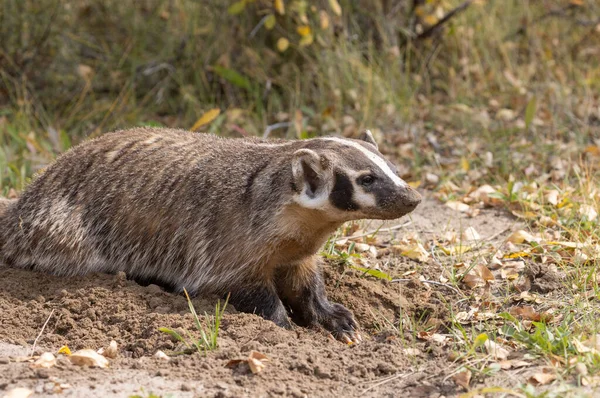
[[91, 311]]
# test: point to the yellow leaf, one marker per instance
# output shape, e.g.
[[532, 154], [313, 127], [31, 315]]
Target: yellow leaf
[[306, 40], [236, 8], [335, 7], [516, 255], [279, 7], [464, 164], [430, 19], [520, 236], [323, 19], [64, 350], [456, 249], [270, 22], [303, 30], [282, 44], [208, 117]]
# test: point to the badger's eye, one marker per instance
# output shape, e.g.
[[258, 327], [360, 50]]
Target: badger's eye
[[366, 180]]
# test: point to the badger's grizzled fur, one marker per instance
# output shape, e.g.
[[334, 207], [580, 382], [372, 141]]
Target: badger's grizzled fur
[[212, 215]]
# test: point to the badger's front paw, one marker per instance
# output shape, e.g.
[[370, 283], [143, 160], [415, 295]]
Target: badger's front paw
[[338, 320]]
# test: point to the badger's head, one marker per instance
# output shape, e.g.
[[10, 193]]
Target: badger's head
[[350, 179]]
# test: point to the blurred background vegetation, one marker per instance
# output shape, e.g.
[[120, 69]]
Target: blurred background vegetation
[[457, 90]]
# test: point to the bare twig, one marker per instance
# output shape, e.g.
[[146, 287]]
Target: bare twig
[[275, 127], [40, 334], [387, 380], [390, 229], [497, 234], [455, 290], [434, 28]]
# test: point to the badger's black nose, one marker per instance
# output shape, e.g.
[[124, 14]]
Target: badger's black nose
[[410, 198]]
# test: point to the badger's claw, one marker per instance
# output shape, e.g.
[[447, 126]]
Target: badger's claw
[[338, 320]]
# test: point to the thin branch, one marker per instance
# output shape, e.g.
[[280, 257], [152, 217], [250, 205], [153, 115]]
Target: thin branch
[[455, 290], [40, 334], [387, 380], [390, 229], [432, 29]]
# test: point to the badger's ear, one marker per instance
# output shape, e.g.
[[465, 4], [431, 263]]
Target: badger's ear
[[309, 171], [367, 136]]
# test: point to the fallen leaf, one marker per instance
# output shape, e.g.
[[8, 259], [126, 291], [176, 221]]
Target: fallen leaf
[[46, 360], [463, 378], [541, 378], [206, 118], [526, 312], [279, 7], [335, 7], [282, 44], [161, 355], [87, 357], [456, 249], [415, 251], [458, 206], [64, 350], [18, 392], [552, 197], [588, 212], [520, 236], [111, 351], [256, 361], [495, 350], [470, 234]]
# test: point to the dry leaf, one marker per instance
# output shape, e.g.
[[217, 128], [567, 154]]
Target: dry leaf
[[552, 197], [335, 7], [470, 234], [256, 361], [541, 378], [46, 360], [415, 251], [458, 206], [18, 392], [208, 117], [495, 350], [520, 236], [111, 351], [87, 357], [456, 249], [279, 7], [484, 272], [161, 355], [463, 378], [282, 44], [589, 212], [527, 312]]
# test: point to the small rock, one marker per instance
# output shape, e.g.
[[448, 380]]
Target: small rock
[[161, 355]]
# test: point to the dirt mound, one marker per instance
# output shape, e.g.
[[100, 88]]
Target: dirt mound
[[90, 311]]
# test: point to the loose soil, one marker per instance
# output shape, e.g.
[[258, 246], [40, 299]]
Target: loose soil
[[92, 310]]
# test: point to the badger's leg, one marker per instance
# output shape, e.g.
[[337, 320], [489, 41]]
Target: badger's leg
[[301, 288], [260, 300]]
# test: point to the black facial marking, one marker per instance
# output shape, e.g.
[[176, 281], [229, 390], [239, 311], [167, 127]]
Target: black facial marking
[[341, 195]]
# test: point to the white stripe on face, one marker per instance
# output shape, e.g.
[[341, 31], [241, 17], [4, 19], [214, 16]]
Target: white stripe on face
[[373, 158]]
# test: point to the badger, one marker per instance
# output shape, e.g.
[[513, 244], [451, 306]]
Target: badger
[[242, 217]]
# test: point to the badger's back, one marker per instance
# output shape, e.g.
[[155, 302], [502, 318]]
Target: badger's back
[[164, 204]]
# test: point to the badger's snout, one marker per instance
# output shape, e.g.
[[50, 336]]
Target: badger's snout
[[410, 198]]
